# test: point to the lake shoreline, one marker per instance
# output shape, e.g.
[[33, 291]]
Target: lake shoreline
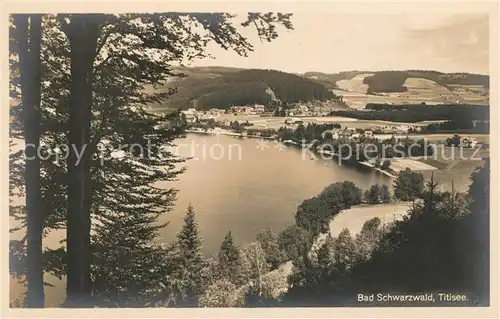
[[293, 143]]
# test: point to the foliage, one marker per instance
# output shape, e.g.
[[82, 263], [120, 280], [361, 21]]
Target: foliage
[[293, 241], [222, 293], [133, 52], [368, 239], [385, 164], [341, 195], [255, 264], [392, 81], [191, 263], [458, 124], [386, 81], [438, 246], [478, 232], [453, 141], [372, 195], [412, 113], [385, 194], [408, 185], [269, 243], [246, 87], [230, 263], [313, 215]]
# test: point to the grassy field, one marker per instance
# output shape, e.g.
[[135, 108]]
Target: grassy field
[[437, 164], [457, 175], [418, 90], [354, 218]]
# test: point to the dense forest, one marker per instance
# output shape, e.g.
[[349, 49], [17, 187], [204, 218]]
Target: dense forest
[[412, 113], [245, 87], [386, 81], [393, 81], [437, 247]]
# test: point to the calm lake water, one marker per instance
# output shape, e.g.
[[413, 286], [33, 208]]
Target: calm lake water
[[241, 185], [238, 185]]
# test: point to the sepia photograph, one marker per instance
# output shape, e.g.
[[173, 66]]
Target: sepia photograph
[[188, 157]]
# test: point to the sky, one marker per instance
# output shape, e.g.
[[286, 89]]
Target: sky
[[446, 42]]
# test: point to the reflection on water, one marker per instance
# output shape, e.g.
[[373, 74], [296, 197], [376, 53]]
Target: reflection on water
[[250, 185], [239, 185]]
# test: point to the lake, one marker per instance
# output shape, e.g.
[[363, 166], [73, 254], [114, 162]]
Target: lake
[[243, 185], [236, 184]]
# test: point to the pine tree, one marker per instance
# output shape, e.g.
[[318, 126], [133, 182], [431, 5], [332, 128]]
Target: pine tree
[[478, 231], [130, 267], [229, 261], [192, 263], [112, 80], [325, 257]]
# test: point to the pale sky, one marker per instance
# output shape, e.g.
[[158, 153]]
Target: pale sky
[[337, 42]]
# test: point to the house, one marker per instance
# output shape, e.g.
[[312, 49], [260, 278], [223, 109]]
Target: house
[[191, 115], [302, 109], [468, 142], [349, 131], [259, 108], [355, 136], [334, 134], [368, 133]]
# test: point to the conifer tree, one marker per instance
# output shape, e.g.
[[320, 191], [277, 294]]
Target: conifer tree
[[325, 257], [191, 260], [478, 231], [229, 261], [130, 267], [104, 63]]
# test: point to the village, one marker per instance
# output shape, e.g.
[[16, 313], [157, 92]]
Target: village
[[259, 119]]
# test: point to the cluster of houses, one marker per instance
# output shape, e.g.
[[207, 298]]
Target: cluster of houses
[[192, 115], [309, 109], [256, 109], [468, 142], [348, 132], [397, 129]]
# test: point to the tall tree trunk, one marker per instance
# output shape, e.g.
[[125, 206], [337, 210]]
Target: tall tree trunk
[[82, 33], [28, 29]]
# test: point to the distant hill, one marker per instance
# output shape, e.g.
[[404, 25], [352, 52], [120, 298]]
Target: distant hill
[[393, 81], [207, 87]]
